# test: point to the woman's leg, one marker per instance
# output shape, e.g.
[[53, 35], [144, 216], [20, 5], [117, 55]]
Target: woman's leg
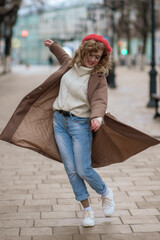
[[82, 143], [65, 146], [85, 203]]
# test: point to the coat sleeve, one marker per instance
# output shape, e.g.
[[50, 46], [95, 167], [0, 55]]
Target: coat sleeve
[[59, 53], [99, 99]]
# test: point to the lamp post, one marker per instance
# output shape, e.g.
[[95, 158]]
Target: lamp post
[[153, 72], [113, 7], [24, 35]]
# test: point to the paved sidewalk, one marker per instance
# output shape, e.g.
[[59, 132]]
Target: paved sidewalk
[[36, 200]]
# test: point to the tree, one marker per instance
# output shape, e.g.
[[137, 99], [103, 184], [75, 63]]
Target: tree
[[8, 16], [135, 21], [142, 25], [124, 27], [38, 6]]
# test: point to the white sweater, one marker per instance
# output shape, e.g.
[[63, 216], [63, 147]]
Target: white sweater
[[73, 92], [72, 95]]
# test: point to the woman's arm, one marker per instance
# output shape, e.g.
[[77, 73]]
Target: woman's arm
[[99, 99], [57, 50]]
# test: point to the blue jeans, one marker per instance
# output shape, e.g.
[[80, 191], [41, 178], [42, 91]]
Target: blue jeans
[[74, 140]]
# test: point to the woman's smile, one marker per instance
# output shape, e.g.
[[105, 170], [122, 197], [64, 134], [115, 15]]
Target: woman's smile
[[93, 59]]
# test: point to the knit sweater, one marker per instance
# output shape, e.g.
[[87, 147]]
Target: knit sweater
[[72, 95], [73, 92]]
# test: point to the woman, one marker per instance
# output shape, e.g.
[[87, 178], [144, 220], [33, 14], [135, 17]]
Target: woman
[[73, 124], [77, 114]]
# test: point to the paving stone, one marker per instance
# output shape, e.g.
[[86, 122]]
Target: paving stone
[[58, 237], [58, 181], [119, 213], [37, 208], [13, 191], [126, 206], [140, 193], [12, 203], [58, 222], [86, 237], [145, 205], [14, 186], [132, 236], [144, 212], [32, 178], [65, 230], [139, 219], [56, 192], [140, 188], [9, 232], [152, 199], [36, 231], [56, 215], [40, 202], [62, 201], [121, 183], [15, 197], [61, 208], [16, 223], [107, 220], [157, 192], [147, 183], [5, 209], [146, 228], [48, 186], [129, 199], [20, 215], [53, 195], [27, 181], [15, 238]]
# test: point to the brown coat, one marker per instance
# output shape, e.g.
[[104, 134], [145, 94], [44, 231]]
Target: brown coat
[[31, 124]]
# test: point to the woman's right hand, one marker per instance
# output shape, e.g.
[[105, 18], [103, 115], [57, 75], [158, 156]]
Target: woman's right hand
[[48, 42]]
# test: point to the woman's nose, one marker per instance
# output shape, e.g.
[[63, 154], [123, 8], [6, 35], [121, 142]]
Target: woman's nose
[[93, 58]]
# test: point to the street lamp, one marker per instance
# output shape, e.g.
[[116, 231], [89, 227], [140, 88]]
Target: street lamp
[[153, 72], [113, 7], [24, 34]]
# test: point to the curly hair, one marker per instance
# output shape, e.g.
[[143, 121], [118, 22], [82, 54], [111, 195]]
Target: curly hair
[[85, 49]]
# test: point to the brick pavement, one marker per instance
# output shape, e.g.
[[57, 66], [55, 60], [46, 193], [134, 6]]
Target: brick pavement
[[36, 200]]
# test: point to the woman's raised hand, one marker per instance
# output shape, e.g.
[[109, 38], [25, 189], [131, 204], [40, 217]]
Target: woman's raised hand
[[48, 42]]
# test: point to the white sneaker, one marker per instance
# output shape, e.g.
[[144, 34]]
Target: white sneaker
[[88, 220], [108, 203]]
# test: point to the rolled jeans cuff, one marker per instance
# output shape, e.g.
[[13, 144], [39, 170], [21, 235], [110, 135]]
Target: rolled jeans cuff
[[83, 197]]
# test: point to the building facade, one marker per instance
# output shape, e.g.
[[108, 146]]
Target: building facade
[[68, 26]]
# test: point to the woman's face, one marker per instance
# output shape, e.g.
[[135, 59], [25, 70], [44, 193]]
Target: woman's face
[[92, 59]]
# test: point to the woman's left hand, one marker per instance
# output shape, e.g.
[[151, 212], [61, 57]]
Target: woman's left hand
[[95, 124], [48, 42]]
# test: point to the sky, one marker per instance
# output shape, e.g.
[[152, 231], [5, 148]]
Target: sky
[[27, 5], [60, 3]]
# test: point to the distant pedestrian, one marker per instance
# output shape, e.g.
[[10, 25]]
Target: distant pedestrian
[[50, 60], [65, 119]]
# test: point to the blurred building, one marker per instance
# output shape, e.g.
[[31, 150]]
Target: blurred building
[[68, 26], [26, 42]]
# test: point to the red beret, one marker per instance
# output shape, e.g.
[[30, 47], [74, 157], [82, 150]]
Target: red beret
[[98, 38]]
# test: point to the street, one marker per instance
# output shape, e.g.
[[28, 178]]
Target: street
[[36, 199]]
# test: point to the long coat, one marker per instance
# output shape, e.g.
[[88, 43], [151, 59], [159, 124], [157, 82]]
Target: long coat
[[31, 124]]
